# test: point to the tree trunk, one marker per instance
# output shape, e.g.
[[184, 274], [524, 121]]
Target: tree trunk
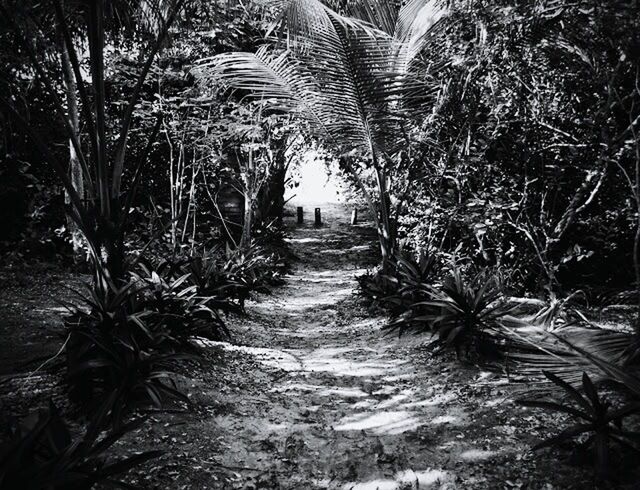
[[386, 234], [115, 259], [275, 190], [245, 240], [635, 190], [75, 169], [380, 226], [636, 267]]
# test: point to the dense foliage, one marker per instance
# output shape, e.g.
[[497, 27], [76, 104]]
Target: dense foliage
[[43, 452], [495, 143]]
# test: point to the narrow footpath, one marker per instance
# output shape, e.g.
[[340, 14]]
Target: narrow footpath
[[315, 397]]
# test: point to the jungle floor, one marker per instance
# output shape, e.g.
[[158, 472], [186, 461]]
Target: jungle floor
[[310, 395]]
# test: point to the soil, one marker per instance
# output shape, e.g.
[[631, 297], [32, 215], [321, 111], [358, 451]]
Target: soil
[[311, 395], [32, 301]]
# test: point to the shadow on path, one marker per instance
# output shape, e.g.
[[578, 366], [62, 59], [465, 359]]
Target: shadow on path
[[339, 406]]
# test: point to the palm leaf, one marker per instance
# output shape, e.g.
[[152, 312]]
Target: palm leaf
[[341, 72], [533, 350]]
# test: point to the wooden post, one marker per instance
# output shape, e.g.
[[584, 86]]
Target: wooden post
[[300, 216], [318, 217], [354, 216]]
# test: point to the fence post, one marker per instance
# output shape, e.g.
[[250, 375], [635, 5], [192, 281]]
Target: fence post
[[354, 216], [318, 217], [300, 217]]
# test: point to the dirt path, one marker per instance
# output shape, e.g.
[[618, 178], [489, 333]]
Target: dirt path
[[326, 402], [310, 395]]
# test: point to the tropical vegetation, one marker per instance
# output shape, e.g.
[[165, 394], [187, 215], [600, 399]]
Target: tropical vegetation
[[496, 146]]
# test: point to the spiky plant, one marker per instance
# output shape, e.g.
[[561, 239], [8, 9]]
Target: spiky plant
[[596, 419], [177, 309], [103, 216], [119, 344], [415, 275], [408, 281], [461, 314], [43, 452]]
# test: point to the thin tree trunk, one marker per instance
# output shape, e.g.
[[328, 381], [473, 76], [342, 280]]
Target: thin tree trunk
[[636, 267], [245, 240], [636, 241], [385, 233], [372, 208], [172, 185], [249, 182]]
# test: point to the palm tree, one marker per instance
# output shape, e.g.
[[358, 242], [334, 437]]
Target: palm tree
[[102, 216], [357, 79]]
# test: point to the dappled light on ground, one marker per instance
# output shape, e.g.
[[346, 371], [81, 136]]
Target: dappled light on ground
[[270, 357], [380, 422], [336, 405], [303, 240], [319, 390], [477, 455], [405, 480]]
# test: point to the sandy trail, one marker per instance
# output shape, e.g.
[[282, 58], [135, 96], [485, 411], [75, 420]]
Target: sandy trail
[[312, 396]]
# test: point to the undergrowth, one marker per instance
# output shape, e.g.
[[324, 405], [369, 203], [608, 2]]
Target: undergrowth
[[556, 346]]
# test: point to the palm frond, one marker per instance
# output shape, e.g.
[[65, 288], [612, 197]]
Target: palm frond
[[278, 80], [533, 350], [339, 72], [382, 14], [416, 17], [417, 22]]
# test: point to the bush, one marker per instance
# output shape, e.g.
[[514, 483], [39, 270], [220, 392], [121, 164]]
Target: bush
[[179, 310], [43, 453], [597, 420], [235, 274], [120, 345], [129, 339], [408, 281], [460, 313]]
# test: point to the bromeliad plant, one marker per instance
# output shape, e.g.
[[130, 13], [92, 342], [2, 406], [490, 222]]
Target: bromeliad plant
[[245, 271], [381, 288], [415, 278], [118, 346], [43, 452], [177, 308], [102, 216], [467, 311], [414, 274], [461, 314], [598, 422], [233, 274], [408, 281]]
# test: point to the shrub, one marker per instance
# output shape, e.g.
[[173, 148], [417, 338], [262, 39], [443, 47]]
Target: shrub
[[118, 347], [379, 287], [415, 278], [177, 309], [408, 282], [461, 313], [43, 453], [130, 338], [235, 274], [598, 420]]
